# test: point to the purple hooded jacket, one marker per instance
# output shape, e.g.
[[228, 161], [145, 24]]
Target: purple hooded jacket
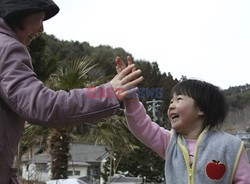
[[24, 98]]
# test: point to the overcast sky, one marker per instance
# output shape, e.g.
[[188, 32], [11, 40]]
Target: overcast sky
[[207, 40]]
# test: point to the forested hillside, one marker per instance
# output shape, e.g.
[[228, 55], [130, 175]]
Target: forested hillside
[[49, 54], [239, 114]]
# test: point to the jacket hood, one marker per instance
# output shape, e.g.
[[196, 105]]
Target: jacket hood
[[5, 29], [14, 8]]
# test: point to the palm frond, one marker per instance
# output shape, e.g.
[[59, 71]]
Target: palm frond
[[72, 74]]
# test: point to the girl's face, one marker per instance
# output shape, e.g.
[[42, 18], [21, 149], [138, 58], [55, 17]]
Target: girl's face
[[184, 114], [32, 27]]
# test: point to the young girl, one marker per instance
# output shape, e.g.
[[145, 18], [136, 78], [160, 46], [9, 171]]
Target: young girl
[[195, 151]]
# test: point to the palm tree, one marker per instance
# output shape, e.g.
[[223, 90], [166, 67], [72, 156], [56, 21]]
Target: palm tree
[[72, 74], [113, 132]]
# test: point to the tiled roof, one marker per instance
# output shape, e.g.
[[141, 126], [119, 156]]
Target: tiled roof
[[87, 152], [81, 154], [248, 154], [40, 158]]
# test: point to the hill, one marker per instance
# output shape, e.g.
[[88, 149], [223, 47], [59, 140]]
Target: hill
[[59, 52], [238, 118]]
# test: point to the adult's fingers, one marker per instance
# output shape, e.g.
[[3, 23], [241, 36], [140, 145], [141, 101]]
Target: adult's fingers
[[131, 76], [133, 83], [126, 71]]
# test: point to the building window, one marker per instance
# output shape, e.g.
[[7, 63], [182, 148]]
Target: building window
[[70, 173], [74, 173], [77, 173], [42, 168]]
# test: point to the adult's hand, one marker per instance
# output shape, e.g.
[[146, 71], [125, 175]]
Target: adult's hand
[[126, 79]]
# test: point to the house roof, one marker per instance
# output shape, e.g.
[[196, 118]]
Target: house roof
[[81, 154], [40, 158], [87, 152], [248, 154]]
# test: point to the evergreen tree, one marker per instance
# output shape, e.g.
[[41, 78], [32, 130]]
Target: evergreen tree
[[43, 64]]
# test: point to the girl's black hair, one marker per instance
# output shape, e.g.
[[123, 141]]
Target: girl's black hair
[[209, 99]]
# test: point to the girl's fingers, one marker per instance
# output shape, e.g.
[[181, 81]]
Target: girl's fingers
[[118, 69], [120, 65], [130, 93], [129, 59]]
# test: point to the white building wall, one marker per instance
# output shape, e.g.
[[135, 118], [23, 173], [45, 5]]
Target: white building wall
[[102, 169], [30, 172], [35, 172]]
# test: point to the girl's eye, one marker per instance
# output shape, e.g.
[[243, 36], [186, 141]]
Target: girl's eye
[[179, 98], [171, 101]]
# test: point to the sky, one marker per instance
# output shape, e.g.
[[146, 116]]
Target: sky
[[200, 39]]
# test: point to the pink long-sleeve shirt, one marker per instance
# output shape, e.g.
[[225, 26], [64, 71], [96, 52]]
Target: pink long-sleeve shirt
[[157, 138]]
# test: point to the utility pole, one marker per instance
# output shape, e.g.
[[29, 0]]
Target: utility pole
[[153, 107]]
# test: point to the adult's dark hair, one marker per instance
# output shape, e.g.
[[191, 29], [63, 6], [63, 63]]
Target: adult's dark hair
[[17, 21], [209, 99], [14, 11]]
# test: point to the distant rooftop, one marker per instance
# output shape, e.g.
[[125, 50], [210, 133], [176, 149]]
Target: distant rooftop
[[81, 154], [248, 154]]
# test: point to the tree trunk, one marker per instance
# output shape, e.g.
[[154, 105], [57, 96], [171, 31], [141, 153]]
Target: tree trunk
[[59, 141]]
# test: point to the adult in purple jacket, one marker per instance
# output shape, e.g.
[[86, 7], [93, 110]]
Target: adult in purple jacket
[[24, 98]]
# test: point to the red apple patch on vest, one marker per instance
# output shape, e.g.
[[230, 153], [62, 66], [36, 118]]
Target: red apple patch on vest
[[215, 170]]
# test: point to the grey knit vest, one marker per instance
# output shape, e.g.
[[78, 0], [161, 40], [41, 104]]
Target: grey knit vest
[[215, 159]]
